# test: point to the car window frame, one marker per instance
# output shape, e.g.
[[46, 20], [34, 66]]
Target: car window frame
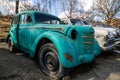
[[26, 23], [13, 20]]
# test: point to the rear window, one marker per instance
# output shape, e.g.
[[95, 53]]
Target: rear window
[[16, 20]]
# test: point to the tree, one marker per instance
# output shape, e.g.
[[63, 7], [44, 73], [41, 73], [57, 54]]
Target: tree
[[69, 7], [115, 22], [6, 7], [73, 8], [107, 9], [17, 6], [27, 6], [88, 15]]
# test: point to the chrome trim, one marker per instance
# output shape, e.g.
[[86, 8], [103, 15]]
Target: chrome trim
[[88, 42], [47, 28], [87, 36]]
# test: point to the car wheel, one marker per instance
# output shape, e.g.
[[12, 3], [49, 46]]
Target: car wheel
[[11, 46], [49, 62]]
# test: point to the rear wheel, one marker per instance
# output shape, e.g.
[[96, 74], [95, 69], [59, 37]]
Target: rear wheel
[[49, 61], [11, 46]]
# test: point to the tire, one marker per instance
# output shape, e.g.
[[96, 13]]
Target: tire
[[49, 62], [11, 47]]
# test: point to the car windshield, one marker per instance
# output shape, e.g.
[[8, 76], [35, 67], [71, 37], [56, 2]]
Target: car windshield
[[86, 23], [76, 22], [46, 19]]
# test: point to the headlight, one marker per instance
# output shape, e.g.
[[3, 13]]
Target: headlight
[[104, 37], [73, 34], [97, 35]]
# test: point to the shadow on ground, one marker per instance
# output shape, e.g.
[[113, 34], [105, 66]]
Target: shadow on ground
[[105, 67], [13, 67]]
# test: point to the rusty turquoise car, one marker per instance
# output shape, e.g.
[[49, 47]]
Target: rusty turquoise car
[[57, 47]]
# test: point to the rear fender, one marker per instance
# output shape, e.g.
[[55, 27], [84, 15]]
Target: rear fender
[[7, 38], [9, 35]]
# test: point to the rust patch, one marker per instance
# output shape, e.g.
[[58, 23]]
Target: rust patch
[[68, 57]]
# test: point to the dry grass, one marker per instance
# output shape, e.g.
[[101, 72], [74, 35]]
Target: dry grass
[[4, 27], [4, 22], [3, 35]]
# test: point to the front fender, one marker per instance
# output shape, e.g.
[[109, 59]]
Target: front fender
[[63, 46]]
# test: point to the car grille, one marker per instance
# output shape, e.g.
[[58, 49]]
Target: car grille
[[88, 42]]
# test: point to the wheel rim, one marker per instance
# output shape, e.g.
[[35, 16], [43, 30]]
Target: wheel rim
[[51, 61]]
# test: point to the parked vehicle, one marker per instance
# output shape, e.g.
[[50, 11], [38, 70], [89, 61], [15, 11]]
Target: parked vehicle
[[57, 47], [107, 37]]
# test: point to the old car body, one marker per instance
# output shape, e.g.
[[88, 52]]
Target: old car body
[[56, 46], [107, 37], [110, 38]]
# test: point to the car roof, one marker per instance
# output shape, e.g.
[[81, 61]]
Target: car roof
[[32, 11]]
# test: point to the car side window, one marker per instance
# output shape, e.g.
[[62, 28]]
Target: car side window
[[15, 20], [26, 18]]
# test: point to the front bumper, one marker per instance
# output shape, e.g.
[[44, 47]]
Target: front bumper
[[113, 46]]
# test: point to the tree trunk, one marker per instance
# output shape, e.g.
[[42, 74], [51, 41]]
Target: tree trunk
[[17, 6], [71, 8]]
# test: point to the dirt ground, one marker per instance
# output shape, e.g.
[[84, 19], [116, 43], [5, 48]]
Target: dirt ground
[[13, 67]]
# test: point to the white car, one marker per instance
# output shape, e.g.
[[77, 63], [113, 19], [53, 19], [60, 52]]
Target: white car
[[107, 37]]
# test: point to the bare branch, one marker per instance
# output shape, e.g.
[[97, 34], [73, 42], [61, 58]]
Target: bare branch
[[108, 8]]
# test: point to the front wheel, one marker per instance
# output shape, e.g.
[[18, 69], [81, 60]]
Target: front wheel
[[49, 62]]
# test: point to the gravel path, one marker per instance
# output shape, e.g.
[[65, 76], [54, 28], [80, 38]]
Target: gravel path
[[13, 67]]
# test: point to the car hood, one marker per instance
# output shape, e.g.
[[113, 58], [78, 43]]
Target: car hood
[[105, 29], [53, 27], [61, 27], [100, 30], [111, 32]]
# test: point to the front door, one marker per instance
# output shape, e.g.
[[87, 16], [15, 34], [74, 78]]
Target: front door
[[24, 31]]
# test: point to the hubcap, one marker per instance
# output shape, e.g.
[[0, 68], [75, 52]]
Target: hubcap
[[51, 61]]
